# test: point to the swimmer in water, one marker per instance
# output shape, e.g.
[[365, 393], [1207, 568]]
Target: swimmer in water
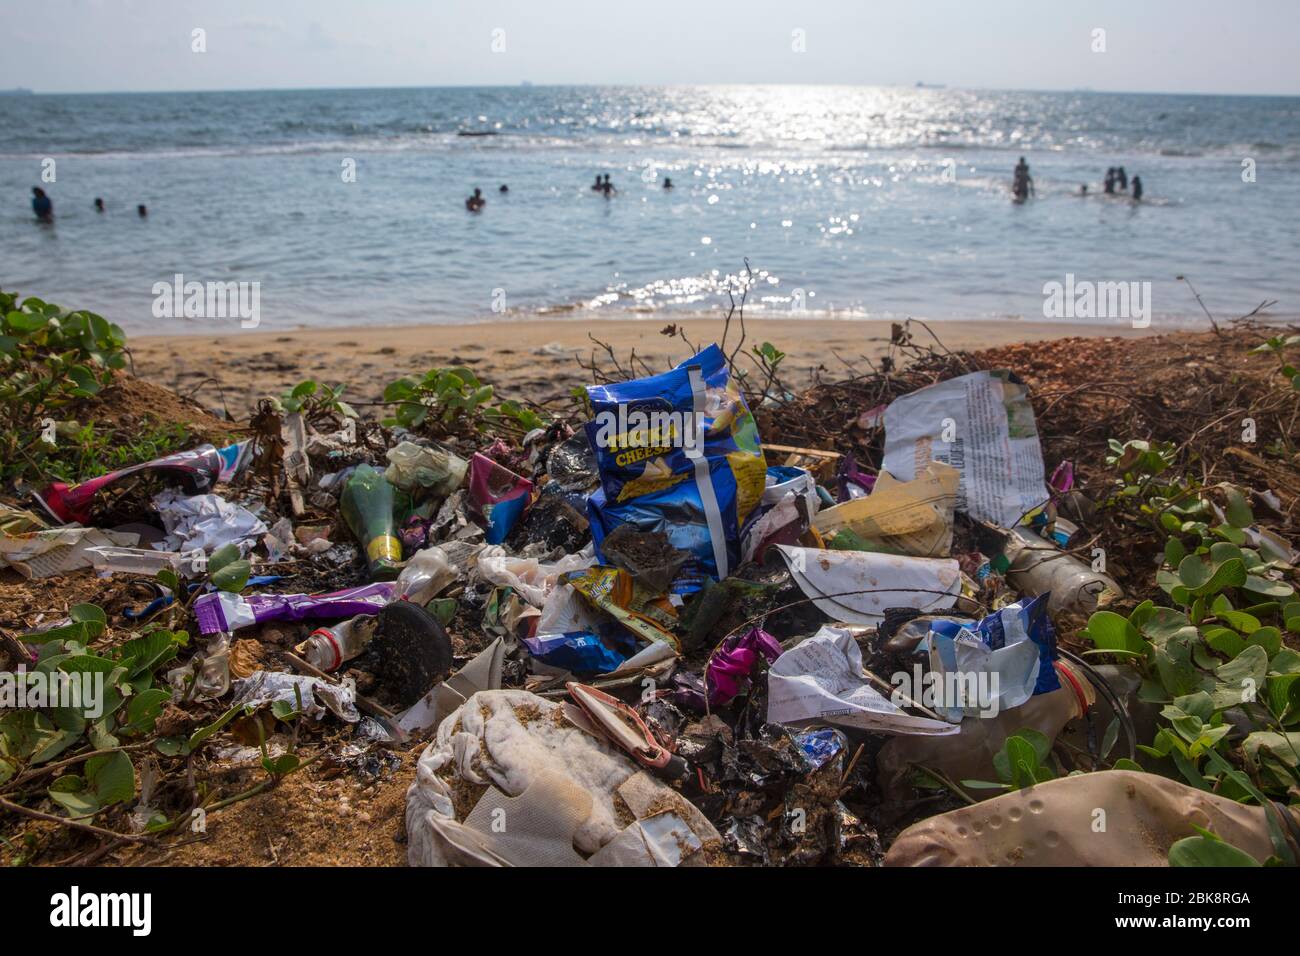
[[475, 202], [42, 205]]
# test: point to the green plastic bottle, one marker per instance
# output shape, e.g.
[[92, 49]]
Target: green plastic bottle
[[367, 505]]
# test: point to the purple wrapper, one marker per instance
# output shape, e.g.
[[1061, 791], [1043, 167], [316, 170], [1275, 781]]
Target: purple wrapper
[[221, 611], [727, 672]]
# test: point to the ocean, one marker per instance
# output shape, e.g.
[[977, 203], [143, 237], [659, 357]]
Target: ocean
[[347, 206]]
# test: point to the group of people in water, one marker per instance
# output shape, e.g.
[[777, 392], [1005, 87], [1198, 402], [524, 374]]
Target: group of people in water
[[43, 206], [1117, 181], [602, 185]]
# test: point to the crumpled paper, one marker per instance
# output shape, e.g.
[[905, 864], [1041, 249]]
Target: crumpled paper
[[205, 522]]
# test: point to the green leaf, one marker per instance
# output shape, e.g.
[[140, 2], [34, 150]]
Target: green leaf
[[1267, 588], [203, 733], [1224, 640], [145, 654], [227, 554], [26, 322], [143, 710], [1283, 693], [232, 577], [1110, 631], [1201, 578], [112, 776], [168, 579], [1204, 851], [92, 617], [1246, 623], [79, 803], [1109, 739], [1165, 624], [1269, 638], [1241, 679], [1238, 511], [279, 766]]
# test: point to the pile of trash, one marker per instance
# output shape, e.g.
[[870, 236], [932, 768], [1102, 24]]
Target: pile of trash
[[648, 638]]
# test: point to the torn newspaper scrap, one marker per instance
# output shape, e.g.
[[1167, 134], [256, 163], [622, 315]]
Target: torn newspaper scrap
[[981, 424]]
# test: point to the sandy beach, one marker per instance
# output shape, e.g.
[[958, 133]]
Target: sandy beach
[[532, 359]]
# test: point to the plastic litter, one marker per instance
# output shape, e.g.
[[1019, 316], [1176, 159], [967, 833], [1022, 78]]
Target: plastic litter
[[497, 497], [822, 681], [197, 471], [969, 754], [648, 556], [45, 554], [649, 481], [409, 652], [857, 587], [482, 673], [513, 740], [433, 471], [613, 591], [899, 517], [1038, 567], [532, 579], [727, 672], [222, 612], [981, 424], [328, 648], [610, 717], [267, 687], [1010, 652], [1051, 824]]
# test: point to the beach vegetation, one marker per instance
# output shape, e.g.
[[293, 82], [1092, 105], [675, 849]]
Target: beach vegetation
[[453, 401], [50, 358], [318, 403], [1212, 653]]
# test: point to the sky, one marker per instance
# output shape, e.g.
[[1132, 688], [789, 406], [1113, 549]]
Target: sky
[[1208, 46]]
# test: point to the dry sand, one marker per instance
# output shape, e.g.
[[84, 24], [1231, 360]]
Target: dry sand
[[533, 359]]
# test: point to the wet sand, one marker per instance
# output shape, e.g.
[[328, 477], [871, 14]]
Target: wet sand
[[536, 359]]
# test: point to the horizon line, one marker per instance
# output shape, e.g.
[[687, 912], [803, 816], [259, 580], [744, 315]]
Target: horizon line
[[526, 84]]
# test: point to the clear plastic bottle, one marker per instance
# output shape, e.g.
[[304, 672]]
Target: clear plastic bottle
[[327, 648]]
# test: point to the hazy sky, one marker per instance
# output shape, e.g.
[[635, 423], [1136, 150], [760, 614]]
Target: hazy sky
[[1241, 46]]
